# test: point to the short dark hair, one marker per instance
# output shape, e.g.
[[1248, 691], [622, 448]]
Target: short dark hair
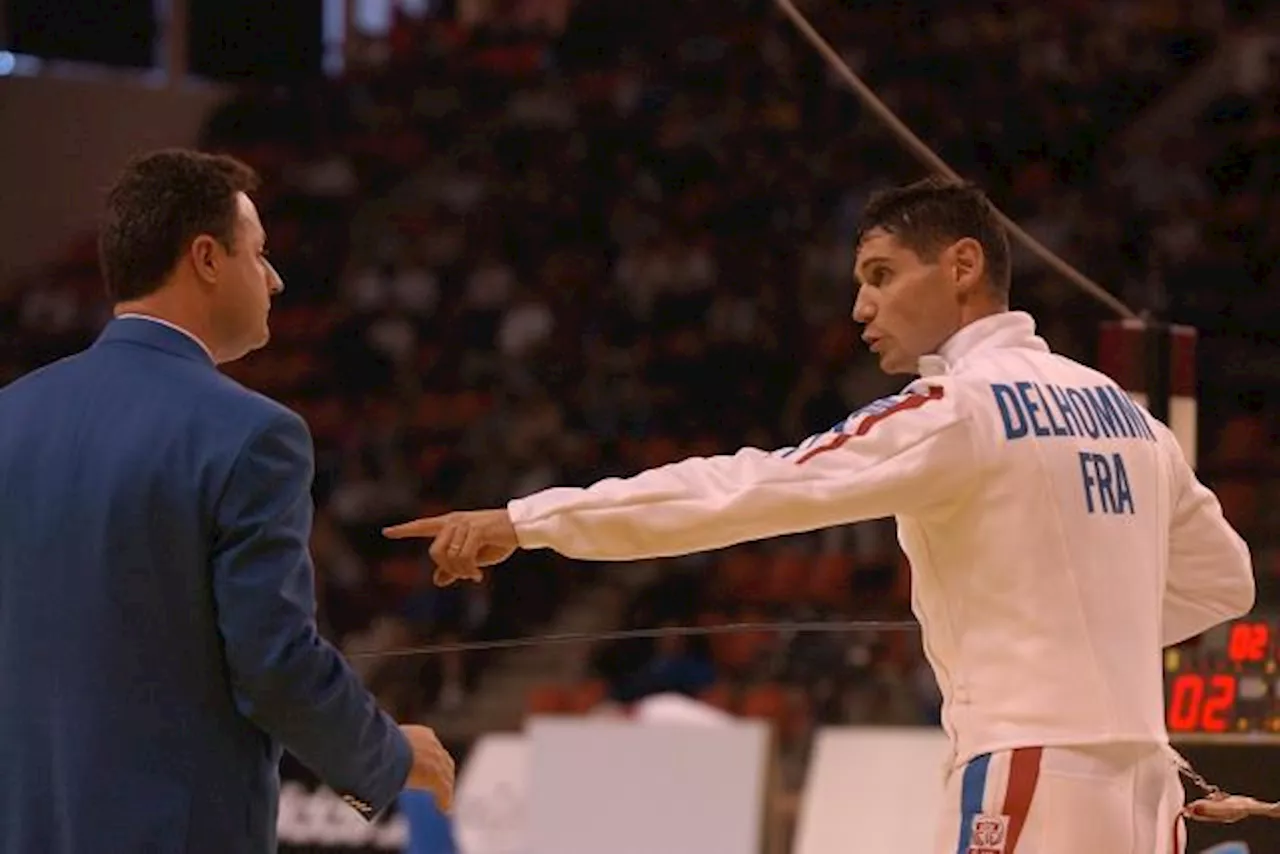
[[160, 203], [934, 212]]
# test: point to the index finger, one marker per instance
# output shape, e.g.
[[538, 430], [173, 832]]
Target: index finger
[[428, 526]]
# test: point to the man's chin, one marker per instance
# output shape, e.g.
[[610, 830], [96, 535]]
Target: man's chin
[[238, 353], [895, 366]]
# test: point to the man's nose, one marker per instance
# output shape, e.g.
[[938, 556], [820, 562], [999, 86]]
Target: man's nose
[[275, 284], [863, 310]]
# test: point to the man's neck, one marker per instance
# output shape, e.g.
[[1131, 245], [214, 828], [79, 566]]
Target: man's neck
[[979, 311], [160, 311]]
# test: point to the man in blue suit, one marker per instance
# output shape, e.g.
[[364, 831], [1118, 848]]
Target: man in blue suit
[[158, 644]]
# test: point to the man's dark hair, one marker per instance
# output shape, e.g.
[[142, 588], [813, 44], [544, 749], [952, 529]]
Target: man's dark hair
[[159, 204], [931, 214]]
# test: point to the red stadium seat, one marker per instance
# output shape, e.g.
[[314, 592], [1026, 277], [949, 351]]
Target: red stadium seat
[[721, 696], [1244, 439], [740, 575], [659, 450], [547, 699], [829, 582], [901, 594], [585, 696], [470, 407], [1240, 502], [404, 574], [786, 577], [736, 652], [733, 652], [430, 459], [704, 446], [768, 702], [432, 413]]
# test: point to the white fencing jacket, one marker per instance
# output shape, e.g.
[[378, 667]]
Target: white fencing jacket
[[1058, 539]]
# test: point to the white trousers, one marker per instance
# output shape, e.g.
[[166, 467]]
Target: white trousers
[[1113, 799]]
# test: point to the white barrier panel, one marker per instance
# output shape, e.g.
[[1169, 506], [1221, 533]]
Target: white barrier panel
[[491, 797], [872, 790], [612, 787]]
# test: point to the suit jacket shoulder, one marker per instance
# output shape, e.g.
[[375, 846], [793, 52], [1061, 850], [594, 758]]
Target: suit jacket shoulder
[[250, 410]]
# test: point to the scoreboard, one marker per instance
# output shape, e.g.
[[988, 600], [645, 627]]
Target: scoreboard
[[1225, 682], [1222, 709]]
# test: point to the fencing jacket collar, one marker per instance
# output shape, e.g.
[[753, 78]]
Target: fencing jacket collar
[[1006, 329]]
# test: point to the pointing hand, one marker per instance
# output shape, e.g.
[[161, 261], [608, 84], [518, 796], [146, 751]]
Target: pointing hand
[[464, 542]]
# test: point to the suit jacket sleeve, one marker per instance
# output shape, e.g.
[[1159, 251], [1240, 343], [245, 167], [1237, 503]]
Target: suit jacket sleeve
[[285, 677]]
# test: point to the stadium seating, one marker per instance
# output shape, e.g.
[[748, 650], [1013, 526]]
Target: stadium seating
[[549, 260]]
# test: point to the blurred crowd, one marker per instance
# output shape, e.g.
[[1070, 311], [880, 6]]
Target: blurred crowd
[[538, 252]]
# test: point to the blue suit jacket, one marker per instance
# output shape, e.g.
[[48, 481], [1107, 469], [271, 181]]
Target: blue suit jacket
[[158, 645]]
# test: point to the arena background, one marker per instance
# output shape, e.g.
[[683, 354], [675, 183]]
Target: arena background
[[530, 242]]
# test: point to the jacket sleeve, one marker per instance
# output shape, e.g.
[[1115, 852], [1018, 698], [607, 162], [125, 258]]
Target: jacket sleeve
[[902, 455], [285, 677], [1210, 576]]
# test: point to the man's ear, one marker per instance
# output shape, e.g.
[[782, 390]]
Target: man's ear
[[967, 265], [206, 255]]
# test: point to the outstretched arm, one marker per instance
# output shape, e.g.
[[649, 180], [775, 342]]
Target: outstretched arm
[[904, 455]]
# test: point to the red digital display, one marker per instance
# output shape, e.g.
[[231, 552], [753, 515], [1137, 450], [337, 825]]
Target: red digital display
[[1199, 703], [1226, 682], [1248, 642]]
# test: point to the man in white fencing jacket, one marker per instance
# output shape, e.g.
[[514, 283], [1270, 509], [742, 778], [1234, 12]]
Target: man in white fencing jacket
[[1058, 539]]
